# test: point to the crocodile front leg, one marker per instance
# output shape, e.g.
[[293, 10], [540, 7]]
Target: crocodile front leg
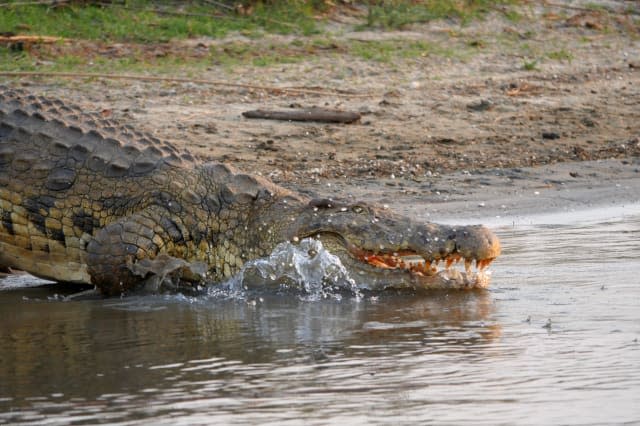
[[138, 250]]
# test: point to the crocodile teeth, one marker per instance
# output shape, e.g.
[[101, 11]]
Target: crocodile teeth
[[417, 264], [413, 260], [482, 264], [467, 265], [451, 259]]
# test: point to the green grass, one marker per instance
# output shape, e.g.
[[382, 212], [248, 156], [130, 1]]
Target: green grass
[[394, 14], [15, 61], [143, 57], [513, 16], [390, 50], [240, 53], [147, 21], [155, 21], [145, 26], [22, 61], [595, 6], [560, 55], [530, 65]]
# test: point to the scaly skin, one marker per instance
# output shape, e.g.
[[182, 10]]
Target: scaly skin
[[87, 200]]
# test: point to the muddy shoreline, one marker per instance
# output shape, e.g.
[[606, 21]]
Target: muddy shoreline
[[562, 192]]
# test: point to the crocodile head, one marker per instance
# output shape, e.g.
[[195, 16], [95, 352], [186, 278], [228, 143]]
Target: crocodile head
[[383, 249]]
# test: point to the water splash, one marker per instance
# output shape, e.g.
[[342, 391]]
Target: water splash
[[306, 267]]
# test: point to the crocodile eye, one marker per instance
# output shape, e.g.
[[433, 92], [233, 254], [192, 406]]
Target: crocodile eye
[[357, 209]]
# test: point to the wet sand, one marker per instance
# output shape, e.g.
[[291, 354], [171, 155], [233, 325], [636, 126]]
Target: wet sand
[[571, 191]]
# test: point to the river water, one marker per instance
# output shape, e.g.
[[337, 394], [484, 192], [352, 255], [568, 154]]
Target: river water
[[554, 341]]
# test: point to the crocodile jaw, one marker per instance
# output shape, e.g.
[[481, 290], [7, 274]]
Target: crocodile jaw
[[407, 268]]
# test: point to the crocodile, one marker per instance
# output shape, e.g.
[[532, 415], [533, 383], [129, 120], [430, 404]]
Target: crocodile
[[85, 199]]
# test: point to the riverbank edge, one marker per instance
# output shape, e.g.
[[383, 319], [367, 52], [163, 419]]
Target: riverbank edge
[[558, 193]]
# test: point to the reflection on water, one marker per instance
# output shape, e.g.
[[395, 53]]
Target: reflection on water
[[555, 337]]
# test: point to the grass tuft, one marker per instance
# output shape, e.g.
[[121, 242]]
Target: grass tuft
[[560, 55], [153, 36], [148, 21], [397, 14], [531, 65]]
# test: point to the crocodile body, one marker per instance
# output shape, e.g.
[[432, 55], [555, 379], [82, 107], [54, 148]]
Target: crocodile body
[[84, 199]]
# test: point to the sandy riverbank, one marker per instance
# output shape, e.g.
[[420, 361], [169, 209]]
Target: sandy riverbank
[[563, 192]]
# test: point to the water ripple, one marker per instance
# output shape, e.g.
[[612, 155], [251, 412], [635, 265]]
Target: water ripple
[[554, 341]]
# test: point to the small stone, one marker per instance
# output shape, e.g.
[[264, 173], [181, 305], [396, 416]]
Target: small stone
[[482, 105], [550, 135]]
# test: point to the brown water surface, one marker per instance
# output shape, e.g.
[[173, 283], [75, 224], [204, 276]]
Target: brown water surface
[[554, 341]]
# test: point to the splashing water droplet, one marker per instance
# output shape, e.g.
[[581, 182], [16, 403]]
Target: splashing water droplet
[[306, 266]]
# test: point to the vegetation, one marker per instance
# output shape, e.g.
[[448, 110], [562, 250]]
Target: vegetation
[[94, 32], [155, 21], [560, 55], [158, 36], [149, 21], [530, 65], [393, 14]]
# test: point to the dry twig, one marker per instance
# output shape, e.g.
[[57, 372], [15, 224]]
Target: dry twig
[[306, 114], [29, 39]]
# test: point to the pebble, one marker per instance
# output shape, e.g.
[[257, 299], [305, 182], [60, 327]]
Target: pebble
[[482, 105]]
